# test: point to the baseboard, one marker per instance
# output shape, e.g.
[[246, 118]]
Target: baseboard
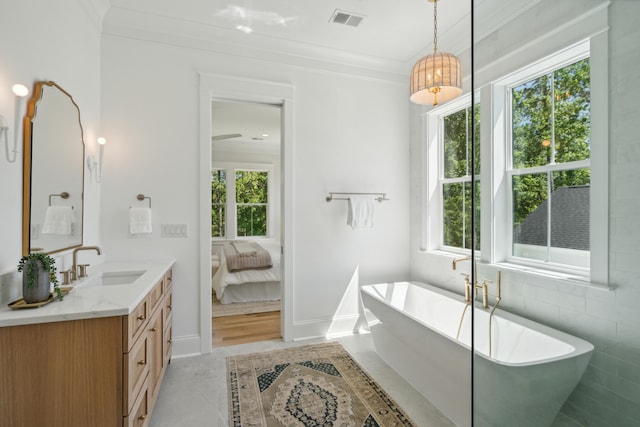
[[185, 346], [329, 327]]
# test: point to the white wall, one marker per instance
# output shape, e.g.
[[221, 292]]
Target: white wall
[[350, 134], [609, 393], [44, 40]]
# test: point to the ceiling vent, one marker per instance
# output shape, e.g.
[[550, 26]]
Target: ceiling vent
[[346, 18]]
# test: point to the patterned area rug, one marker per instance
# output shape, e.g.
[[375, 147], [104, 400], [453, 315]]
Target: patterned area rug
[[307, 386]]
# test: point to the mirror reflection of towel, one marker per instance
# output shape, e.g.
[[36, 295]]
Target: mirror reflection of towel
[[139, 220], [360, 213], [58, 220]]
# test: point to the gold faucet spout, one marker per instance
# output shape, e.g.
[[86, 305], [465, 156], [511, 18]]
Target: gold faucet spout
[[75, 267], [455, 262]]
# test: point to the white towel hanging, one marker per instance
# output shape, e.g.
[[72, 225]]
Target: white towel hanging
[[139, 220], [360, 214], [58, 220]]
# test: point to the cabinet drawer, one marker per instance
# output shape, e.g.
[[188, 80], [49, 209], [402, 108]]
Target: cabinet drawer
[[136, 371], [168, 308], [168, 281], [140, 415], [135, 323], [167, 344], [155, 295]]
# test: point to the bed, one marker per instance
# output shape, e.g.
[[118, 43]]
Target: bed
[[248, 284]]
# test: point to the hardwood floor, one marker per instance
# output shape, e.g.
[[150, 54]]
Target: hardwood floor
[[245, 328]]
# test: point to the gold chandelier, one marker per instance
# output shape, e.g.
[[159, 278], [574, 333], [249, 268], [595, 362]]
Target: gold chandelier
[[437, 77]]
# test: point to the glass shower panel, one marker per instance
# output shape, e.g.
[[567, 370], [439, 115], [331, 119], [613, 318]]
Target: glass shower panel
[[551, 345]]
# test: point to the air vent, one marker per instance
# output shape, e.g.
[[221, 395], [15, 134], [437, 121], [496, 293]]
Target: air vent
[[346, 18]]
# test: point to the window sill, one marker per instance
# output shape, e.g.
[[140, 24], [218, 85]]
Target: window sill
[[550, 274]]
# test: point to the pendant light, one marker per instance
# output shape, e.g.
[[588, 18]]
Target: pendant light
[[436, 78]]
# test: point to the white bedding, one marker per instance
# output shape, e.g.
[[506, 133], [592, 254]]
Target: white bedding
[[261, 284]]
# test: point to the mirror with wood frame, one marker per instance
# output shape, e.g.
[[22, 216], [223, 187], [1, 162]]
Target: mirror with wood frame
[[53, 171]]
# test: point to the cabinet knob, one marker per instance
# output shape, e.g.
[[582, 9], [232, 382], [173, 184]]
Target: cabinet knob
[[154, 329], [169, 341], [143, 317], [169, 306], [142, 362], [142, 417]]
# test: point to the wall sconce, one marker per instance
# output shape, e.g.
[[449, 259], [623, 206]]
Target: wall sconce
[[20, 91], [96, 165]]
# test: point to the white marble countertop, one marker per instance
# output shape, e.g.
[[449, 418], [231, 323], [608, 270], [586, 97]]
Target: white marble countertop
[[86, 301]]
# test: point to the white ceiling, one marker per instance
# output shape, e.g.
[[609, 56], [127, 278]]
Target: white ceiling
[[392, 31], [391, 37]]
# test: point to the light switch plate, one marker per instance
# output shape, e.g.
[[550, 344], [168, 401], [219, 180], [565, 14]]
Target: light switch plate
[[174, 230]]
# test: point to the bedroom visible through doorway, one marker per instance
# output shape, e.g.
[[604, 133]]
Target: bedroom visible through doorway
[[245, 222]]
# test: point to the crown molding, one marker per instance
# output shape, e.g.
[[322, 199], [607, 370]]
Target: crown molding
[[131, 24]]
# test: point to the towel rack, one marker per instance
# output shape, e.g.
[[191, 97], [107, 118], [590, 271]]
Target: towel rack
[[63, 195], [141, 197], [382, 197]]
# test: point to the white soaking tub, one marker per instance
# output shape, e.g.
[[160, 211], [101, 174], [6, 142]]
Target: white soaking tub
[[530, 373]]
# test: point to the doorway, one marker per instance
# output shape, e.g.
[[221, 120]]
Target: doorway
[[246, 276], [224, 87]]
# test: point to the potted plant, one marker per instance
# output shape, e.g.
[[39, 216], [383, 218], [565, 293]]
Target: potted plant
[[38, 272]]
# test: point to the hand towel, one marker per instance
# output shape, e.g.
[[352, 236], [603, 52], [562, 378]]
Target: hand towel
[[360, 213], [58, 220], [139, 220]]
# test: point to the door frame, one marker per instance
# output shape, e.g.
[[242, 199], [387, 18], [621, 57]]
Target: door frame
[[219, 86]]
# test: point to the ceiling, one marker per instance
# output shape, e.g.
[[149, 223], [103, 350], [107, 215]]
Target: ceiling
[[245, 126], [391, 31], [392, 35]]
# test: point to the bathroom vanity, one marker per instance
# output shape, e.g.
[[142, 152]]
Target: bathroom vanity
[[97, 358]]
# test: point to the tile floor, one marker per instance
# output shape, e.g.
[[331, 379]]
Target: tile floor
[[194, 391]]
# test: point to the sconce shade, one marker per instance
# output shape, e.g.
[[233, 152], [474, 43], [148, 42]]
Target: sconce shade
[[436, 78]]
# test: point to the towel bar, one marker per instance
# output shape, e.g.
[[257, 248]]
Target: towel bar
[[141, 197], [63, 195], [382, 197]]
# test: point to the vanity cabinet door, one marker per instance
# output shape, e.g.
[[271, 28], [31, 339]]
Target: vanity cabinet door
[[136, 371], [156, 354], [140, 412]]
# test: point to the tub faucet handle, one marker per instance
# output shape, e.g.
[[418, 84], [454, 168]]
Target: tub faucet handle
[[468, 287]]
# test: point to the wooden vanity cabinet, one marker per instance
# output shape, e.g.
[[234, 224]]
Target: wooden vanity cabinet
[[91, 372], [138, 402]]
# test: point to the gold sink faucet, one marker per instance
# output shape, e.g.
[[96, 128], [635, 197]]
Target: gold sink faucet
[[80, 270]]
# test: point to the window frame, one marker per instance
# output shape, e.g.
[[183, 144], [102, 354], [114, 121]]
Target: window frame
[[231, 224], [433, 238], [543, 67], [495, 181]]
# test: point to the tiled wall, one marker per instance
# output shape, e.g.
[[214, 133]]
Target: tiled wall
[[609, 393]]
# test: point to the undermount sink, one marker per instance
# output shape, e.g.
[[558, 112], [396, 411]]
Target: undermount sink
[[110, 278], [119, 277]]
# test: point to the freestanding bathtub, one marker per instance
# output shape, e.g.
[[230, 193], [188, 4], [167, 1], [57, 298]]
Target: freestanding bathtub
[[529, 375]]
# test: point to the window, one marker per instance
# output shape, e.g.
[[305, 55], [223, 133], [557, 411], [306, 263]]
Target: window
[[251, 203], [218, 202], [456, 177], [544, 158], [239, 207], [550, 169]]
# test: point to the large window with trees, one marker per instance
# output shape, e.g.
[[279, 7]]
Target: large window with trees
[[456, 129], [550, 168], [539, 169], [239, 206]]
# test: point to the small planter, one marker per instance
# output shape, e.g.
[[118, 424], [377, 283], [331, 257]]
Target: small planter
[[36, 282], [38, 272]]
